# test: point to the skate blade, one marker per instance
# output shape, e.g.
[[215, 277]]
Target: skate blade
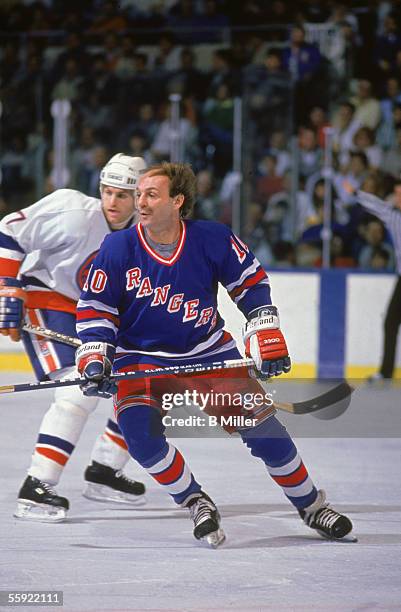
[[216, 538], [347, 539], [101, 493], [43, 513]]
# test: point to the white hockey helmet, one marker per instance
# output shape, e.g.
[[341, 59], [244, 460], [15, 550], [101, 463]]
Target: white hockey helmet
[[122, 171]]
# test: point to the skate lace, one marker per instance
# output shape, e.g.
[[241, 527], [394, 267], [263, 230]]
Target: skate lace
[[201, 510], [48, 488], [326, 517], [120, 474]]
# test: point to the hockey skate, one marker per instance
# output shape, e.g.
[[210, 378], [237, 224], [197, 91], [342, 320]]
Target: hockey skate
[[105, 484], [326, 521], [37, 501], [206, 519]]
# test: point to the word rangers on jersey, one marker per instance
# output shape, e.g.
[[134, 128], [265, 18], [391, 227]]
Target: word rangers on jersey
[[161, 297]]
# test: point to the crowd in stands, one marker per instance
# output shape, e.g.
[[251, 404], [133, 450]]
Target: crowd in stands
[[303, 69]]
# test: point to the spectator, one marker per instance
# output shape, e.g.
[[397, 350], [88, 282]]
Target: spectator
[[187, 139], [310, 154], [375, 237], [269, 182], [187, 80], [345, 125], [391, 162], [207, 204], [364, 142], [367, 107], [303, 62], [268, 87], [218, 118]]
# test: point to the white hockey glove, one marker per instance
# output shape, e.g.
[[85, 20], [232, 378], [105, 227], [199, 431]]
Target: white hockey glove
[[94, 362], [265, 344], [12, 299]]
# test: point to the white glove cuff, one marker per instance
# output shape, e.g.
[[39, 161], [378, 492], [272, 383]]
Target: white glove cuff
[[265, 318], [100, 348]]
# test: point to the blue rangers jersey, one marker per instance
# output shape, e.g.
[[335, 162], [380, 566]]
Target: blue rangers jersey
[[150, 306]]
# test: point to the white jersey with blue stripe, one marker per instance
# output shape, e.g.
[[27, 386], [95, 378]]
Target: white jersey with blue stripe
[[145, 304]]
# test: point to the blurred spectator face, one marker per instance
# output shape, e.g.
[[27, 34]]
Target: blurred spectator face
[[379, 260], [268, 165], [369, 184], [146, 112], [318, 191], [297, 36], [392, 87], [374, 233], [223, 92], [187, 59], [100, 157], [317, 116], [204, 183], [307, 139], [273, 62], [357, 165], [307, 255], [277, 140], [364, 89], [397, 115], [345, 113], [136, 145], [363, 138]]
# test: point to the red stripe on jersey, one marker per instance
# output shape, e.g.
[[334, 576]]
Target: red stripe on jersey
[[89, 313], [50, 300], [172, 473], [249, 282], [9, 267], [293, 479], [116, 440], [50, 453]]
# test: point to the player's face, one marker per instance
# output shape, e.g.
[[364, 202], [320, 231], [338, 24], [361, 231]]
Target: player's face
[[157, 210], [118, 205]]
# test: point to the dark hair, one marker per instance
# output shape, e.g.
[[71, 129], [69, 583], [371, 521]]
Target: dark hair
[[182, 182]]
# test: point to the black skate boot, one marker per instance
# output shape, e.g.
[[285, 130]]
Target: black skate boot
[[326, 521], [104, 483], [206, 519], [37, 501]]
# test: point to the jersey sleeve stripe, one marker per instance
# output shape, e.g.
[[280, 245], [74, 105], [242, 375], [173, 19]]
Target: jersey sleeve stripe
[[6, 242], [9, 267], [249, 282], [90, 313], [96, 306], [99, 324], [249, 270]]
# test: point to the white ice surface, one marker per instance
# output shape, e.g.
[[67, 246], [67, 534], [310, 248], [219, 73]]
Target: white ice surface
[[108, 557]]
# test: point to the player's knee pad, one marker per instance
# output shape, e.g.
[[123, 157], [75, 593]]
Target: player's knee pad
[[72, 398], [143, 432], [269, 441]]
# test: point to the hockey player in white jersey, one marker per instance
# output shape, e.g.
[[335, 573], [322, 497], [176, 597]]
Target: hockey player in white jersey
[[45, 253]]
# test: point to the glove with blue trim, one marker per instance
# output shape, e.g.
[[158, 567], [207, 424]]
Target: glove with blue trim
[[94, 361], [12, 298]]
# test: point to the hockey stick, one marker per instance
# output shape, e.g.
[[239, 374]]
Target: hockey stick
[[341, 392], [52, 335]]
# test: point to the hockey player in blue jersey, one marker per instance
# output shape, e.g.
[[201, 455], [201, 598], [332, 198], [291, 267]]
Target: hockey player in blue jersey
[[150, 300]]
